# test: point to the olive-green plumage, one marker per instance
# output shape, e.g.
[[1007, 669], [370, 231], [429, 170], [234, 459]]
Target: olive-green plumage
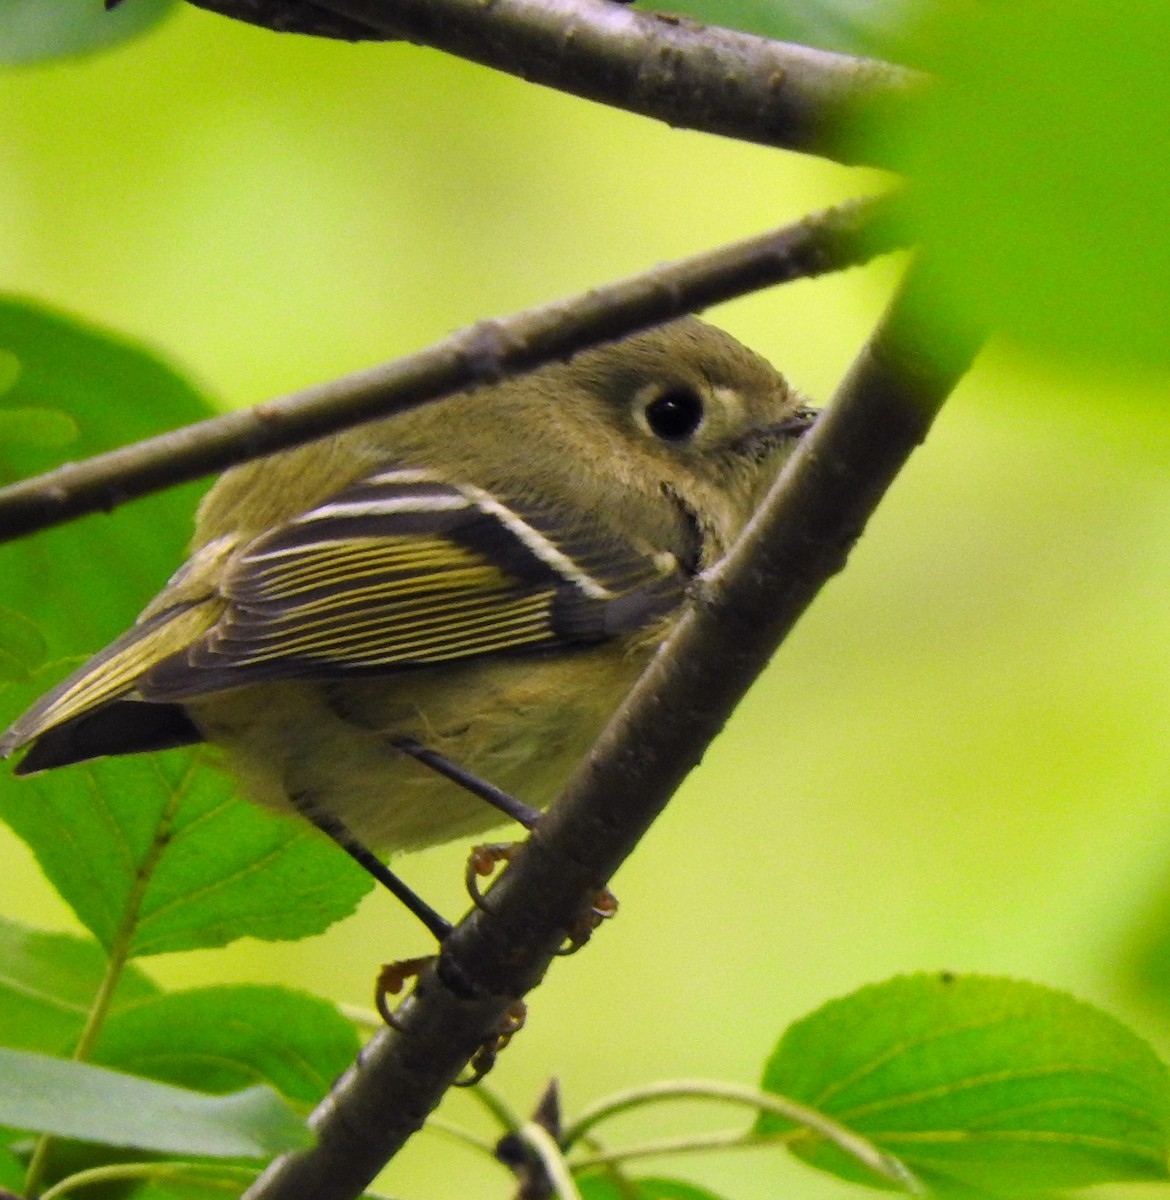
[[486, 575]]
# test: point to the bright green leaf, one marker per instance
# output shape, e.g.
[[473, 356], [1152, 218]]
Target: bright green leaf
[[37, 30], [1041, 166], [1146, 965], [48, 982], [603, 1187], [12, 1170], [157, 848], [222, 1039], [45, 428], [214, 868], [94, 1104], [86, 581], [9, 371], [977, 1083]]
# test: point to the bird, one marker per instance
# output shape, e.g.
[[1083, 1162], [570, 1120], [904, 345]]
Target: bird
[[464, 591]]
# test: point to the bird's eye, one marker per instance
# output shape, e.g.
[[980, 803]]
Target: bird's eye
[[675, 415]]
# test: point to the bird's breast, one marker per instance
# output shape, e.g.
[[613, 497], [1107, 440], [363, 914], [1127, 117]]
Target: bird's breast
[[520, 723]]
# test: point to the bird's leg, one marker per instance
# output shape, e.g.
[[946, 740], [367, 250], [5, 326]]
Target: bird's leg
[[509, 805], [603, 906], [340, 834], [393, 976], [482, 862], [484, 859], [485, 1057], [392, 979]]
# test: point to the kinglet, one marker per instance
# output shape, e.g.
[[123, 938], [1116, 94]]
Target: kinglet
[[485, 576]]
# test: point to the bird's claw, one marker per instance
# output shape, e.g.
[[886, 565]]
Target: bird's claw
[[392, 979], [484, 1058]]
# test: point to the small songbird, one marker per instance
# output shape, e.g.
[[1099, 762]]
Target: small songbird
[[483, 578]]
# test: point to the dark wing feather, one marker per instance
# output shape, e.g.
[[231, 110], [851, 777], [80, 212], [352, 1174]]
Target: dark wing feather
[[404, 570], [117, 727]]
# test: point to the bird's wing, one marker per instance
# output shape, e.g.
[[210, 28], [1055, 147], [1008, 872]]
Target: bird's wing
[[113, 673], [404, 569]]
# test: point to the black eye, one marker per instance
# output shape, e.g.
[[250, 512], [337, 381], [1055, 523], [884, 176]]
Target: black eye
[[675, 415]]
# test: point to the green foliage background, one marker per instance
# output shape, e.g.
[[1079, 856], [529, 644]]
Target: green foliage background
[[960, 760]]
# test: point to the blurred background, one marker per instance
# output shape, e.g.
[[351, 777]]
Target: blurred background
[[960, 760]]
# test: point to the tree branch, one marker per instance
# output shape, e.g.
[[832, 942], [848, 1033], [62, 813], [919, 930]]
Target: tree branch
[[480, 353], [739, 616], [686, 74], [293, 16]]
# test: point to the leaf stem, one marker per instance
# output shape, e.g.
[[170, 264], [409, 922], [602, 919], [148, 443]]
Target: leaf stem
[[438, 1125], [227, 1177], [509, 1120], [724, 1139], [885, 1165]]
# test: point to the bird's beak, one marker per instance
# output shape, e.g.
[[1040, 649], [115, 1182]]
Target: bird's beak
[[800, 422], [760, 443]]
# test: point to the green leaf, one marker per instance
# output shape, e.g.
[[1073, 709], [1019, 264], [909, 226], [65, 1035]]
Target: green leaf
[[1041, 166], [604, 1187], [38, 30], [155, 851], [86, 581], [11, 1170], [22, 646], [186, 1184], [94, 1104], [977, 1082], [222, 1039], [47, 984], [147, 840], [45, 428], [1145, 966], [202, 1186]]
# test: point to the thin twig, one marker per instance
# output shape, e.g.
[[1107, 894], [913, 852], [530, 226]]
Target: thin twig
[[481, 353], [884, 1165], [721, 1140], [535, 1157], [217, 1176], [740, 615], [689, 75], [544, 1146]]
